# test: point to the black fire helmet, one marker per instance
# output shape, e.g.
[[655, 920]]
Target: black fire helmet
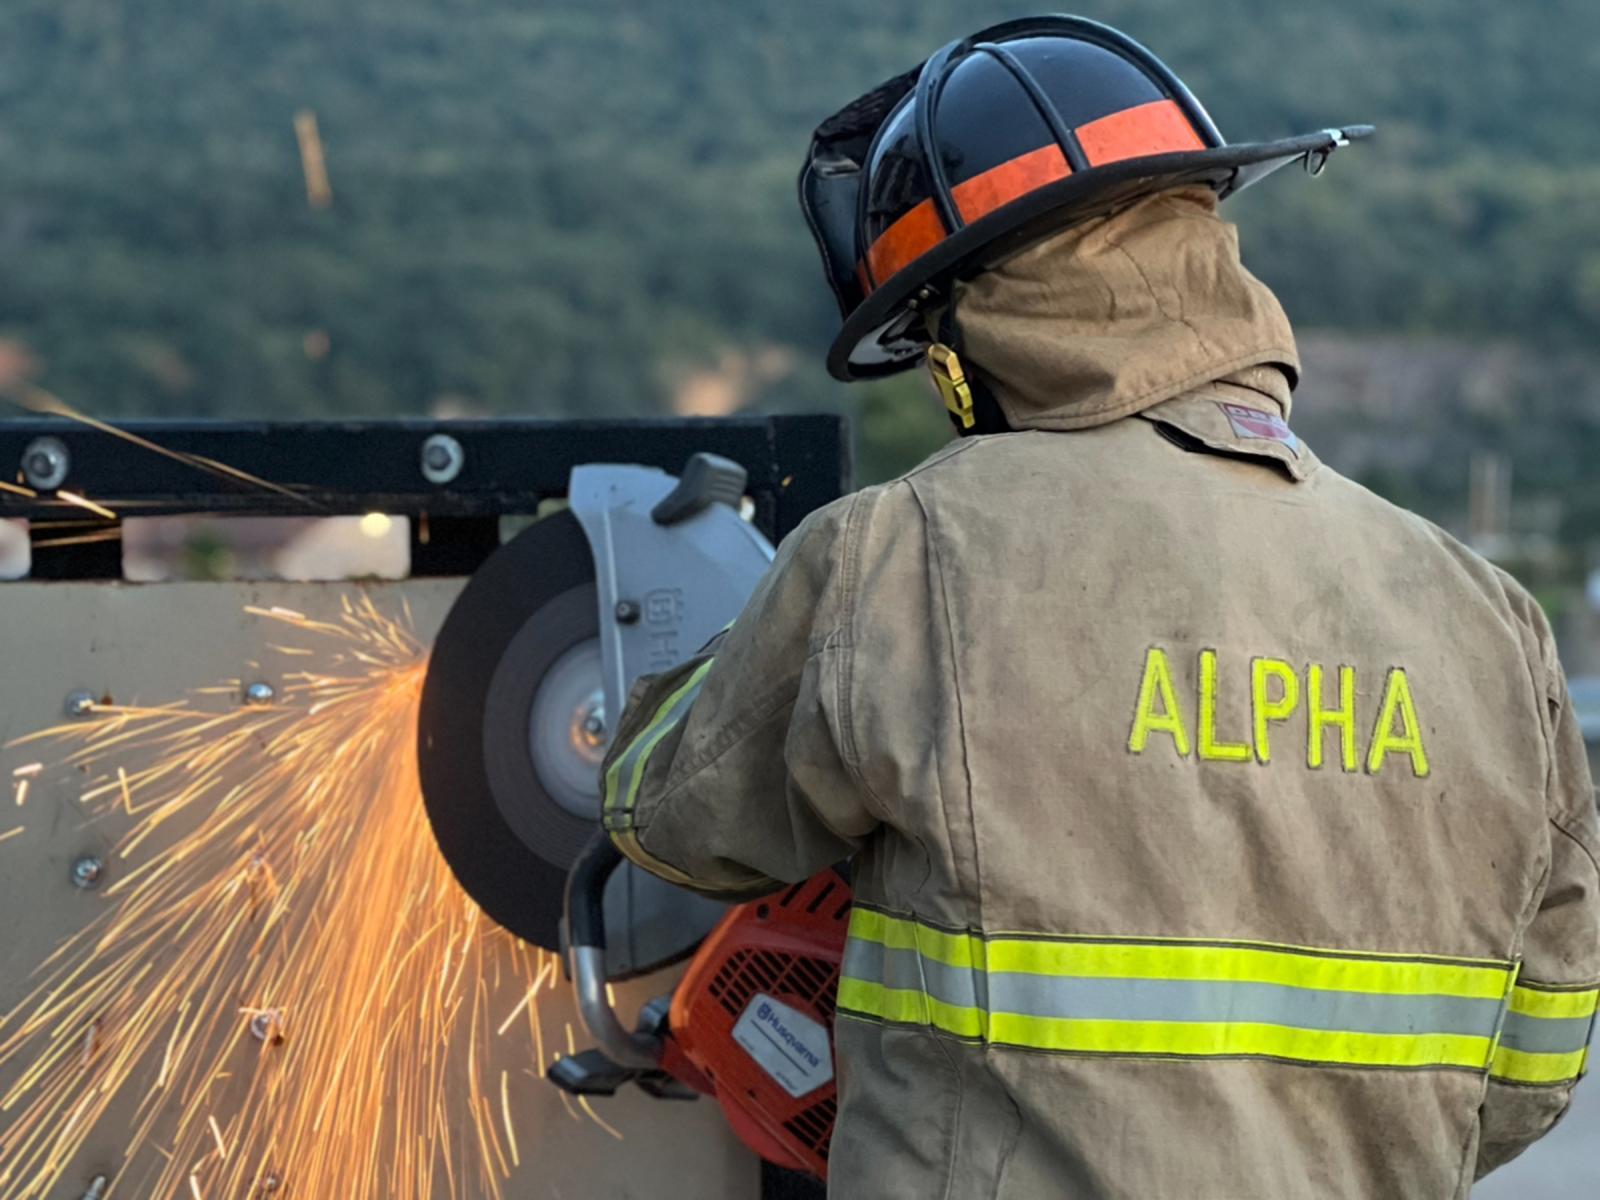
[[997, 141]]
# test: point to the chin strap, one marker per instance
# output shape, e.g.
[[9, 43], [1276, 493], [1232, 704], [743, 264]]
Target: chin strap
[[972, 407], [950, 377]]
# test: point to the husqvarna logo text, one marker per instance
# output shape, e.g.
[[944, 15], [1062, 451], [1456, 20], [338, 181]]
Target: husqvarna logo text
[[783, 1033], [787, 1044]]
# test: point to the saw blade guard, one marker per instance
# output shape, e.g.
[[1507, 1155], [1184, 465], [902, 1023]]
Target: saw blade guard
[[675, 561], [532, 669]]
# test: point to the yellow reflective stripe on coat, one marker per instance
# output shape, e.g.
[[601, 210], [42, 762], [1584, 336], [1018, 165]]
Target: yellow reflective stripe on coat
[[1547, 1034], [1291, 966], [627, 768], [1176, 998]]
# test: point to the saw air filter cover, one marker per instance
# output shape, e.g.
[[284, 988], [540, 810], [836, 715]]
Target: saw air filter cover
[[755, 1014]]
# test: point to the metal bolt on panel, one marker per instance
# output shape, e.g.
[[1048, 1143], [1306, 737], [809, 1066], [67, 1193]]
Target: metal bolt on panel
[[87, 872], [442, 458], [267, 1027], [45, 463]]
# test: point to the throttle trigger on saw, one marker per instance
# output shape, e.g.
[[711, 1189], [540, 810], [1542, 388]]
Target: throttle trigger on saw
[[591, 1073]]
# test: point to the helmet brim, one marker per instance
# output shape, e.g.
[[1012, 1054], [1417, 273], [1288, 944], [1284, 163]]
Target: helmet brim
[[884, 334]]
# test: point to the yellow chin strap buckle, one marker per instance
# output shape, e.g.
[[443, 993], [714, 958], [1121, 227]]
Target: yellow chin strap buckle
[[950, 377]]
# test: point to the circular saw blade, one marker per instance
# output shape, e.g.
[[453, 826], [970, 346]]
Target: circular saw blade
[[508, 664]]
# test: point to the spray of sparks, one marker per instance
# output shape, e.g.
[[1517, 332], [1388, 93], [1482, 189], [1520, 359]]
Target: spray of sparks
[[286, 988]]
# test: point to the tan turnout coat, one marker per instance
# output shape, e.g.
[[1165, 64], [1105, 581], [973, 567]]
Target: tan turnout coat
[[1220, 831]]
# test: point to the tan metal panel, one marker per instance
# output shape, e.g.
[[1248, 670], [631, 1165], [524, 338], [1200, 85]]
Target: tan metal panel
[[153, 643]]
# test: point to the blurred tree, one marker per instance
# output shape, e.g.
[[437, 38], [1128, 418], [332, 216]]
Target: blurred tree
[[564, 208], [535, 208], [898, 423]]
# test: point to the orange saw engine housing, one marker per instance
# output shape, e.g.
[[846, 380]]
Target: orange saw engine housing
[[754, 1014]]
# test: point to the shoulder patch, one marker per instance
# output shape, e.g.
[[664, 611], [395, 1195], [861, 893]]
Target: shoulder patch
[[1211, 420], [1264, 426]]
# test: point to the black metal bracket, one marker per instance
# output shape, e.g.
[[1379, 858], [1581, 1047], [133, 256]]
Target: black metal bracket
[[494, 467]]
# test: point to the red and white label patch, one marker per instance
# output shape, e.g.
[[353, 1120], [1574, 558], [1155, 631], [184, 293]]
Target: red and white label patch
[[1260, 426]]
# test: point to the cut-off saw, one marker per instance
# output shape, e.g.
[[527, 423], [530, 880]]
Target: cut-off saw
[[527, 678]]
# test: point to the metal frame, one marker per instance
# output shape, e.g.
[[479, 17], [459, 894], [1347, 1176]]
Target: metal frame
[[795, 464]]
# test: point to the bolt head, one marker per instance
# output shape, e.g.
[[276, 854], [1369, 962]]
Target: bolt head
[[45, 463], [259, 693], [592, 727], [267, 1027], [442, 458], [87, 872], [627, 612], [80, 703]]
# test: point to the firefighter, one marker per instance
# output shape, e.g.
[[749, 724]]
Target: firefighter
[[1218, 829]]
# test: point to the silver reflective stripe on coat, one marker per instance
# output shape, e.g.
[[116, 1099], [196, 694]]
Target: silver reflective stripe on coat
[[1178, 999]]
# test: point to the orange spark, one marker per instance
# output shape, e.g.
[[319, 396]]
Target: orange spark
[[99, 510], [80, 539], [278, 861], [583, 1102], [505, 1109], [313, 159], [37, 399]]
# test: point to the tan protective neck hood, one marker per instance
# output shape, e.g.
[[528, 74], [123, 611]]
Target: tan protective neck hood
[[1115, 316]]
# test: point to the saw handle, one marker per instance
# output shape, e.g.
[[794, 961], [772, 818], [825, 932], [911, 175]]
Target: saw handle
[[586, 891], [638, 1049], [707, 479]]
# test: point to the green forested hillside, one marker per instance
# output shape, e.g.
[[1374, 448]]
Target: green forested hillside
[[557, 207]]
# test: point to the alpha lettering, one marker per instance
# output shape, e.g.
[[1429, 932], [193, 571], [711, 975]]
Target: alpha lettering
[[1281, 695], [1397, 730], [1211, 747], [1267, 708], [1156, 689], [1342, 718]]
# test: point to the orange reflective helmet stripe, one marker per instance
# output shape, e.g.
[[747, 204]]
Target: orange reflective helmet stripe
[[920, 230], [910, 237], [1159, 127], [1156, 128]]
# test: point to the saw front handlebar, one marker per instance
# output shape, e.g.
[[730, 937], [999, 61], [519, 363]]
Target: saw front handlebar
[[586, 891], [586, 943]]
